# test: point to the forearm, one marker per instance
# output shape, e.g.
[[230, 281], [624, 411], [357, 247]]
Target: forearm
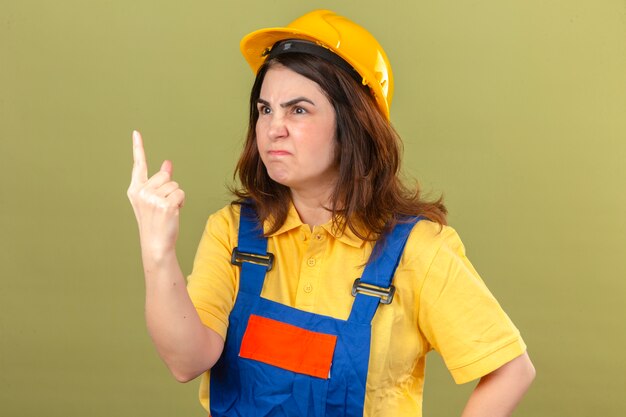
[[186, 346], [498, 393]]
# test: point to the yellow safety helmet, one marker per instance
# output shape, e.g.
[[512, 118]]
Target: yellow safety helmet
[[336, 33]]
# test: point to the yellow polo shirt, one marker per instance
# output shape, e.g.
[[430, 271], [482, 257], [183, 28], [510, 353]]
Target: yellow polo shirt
[[440, 302]]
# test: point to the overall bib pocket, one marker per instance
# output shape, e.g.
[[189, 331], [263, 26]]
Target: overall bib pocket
[[288, 347]]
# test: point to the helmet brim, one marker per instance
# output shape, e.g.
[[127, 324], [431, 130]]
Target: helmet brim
[[255, 45]]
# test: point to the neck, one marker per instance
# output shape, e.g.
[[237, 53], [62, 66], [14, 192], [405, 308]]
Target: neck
[[311, 207]]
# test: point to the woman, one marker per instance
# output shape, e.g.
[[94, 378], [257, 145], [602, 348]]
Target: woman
[[320, 290]]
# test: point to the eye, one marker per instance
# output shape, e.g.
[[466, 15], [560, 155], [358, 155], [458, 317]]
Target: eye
[[299, 110], [263, 109]]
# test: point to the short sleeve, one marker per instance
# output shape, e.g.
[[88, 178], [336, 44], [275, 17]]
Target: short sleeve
[[212, 284], [461, 319]]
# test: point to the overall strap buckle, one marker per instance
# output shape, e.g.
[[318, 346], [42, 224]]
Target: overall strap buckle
[[385, 294], [238, 258]]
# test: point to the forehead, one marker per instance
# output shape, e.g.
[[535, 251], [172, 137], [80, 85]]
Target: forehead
[[280, 80]]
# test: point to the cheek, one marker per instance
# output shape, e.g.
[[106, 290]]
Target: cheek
[[327, 154], [336, 152], [331, 131], [260, 139], [335, 149]]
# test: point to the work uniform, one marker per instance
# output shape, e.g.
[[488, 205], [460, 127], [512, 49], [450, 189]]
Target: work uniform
[[440, 302]]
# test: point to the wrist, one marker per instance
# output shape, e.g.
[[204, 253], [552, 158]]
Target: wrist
[[157, 257]]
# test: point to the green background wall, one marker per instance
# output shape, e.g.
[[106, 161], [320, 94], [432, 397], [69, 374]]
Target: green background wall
[[516, 110]]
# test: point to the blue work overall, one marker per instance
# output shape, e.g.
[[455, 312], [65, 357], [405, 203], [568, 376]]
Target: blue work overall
[[253, 384]]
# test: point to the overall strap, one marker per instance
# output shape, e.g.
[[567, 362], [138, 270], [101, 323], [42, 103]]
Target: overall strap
[[251, 252], [378, 273]]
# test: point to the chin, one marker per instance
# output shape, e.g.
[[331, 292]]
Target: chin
[[280, 179]]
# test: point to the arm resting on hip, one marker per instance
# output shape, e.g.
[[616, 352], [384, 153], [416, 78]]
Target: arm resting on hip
[[499, 392]]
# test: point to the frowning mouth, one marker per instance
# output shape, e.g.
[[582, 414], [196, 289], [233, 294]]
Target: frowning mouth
[[278, 153]]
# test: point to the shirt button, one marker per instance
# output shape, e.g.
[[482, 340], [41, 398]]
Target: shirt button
[[308, 287], [310, 262], [319, 237]]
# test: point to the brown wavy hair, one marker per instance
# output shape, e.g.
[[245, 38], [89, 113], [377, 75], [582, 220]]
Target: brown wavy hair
[[370, 198]]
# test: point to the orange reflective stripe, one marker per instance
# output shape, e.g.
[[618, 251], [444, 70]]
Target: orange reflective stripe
[[288, 347]]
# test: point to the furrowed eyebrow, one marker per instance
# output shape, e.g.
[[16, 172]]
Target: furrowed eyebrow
[[296, 101], [288, 103]]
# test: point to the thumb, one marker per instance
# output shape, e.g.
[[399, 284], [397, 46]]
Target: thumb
[[167, 166]]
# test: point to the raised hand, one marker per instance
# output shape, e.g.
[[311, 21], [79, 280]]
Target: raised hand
[[156, 202]]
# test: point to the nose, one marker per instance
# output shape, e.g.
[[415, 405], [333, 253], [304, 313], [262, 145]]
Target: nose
[[277, 127]]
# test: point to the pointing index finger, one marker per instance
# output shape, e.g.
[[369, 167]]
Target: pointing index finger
[[140, 168]]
